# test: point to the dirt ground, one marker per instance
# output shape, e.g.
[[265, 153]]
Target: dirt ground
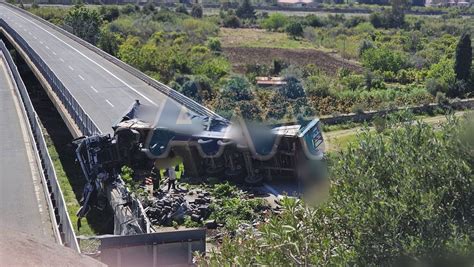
[[240, 57]]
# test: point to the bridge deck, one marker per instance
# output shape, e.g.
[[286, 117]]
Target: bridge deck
[[22, 201], [103, 89]]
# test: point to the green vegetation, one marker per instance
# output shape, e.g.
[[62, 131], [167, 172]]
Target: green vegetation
[[69, 196], [395, 60], [197, 11], [414, 208], [463, 62], [295, 30], [84, 23], [232, 208], [245, 10]]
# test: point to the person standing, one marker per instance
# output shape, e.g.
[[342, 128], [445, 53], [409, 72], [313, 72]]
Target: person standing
[[171, 178], [156, 176]]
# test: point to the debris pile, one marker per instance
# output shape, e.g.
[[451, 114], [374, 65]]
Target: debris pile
[[166, 208]]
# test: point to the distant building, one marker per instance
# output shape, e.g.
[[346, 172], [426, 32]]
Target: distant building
[[270, 81], [448, 3], [295, 3]]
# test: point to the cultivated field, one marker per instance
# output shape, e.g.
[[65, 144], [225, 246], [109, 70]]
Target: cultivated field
[[256, 46]]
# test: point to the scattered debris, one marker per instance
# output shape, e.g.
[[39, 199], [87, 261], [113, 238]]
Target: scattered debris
[[164, 207]]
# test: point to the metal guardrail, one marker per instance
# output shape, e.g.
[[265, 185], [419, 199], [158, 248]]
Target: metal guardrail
[[63, 229], [178, 97]]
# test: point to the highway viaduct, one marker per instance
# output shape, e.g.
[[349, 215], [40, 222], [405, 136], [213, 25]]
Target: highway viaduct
[[91, 89], [99, 84]]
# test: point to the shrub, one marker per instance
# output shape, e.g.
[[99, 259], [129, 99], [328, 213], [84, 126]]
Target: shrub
[[314, 21], [237, 88], [278, 66], [365, 45], [214, 68], [231, 21], [191, 90], [109, 42], [354, 21], [440, 75], [149, 7], [384, 59], [278, 106], [275, 22], [358, 109], [373, 80], [224, 190], [84, 22], [294, 30], [249, 110], [182, 9], [441, 99], [354, 81], [214, 44], [197, 11], [377, 19], [109, 13], [129, 9], [245, 10], [380, 124], [405, 76], [292, 89], [318, 85]]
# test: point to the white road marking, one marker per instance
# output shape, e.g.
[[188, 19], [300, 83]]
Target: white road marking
[[82, 78], [91, 60], [41, 42], [54, 53], [47, 47], [71, 68], [61, 59], [109, 103], [36, 38], [95, 90]]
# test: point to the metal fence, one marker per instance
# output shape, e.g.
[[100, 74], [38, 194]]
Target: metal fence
[[63, 228], [176, 96]]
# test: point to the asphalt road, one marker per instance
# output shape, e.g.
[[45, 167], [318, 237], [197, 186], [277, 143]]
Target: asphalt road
[[104, 90], [22, 201]]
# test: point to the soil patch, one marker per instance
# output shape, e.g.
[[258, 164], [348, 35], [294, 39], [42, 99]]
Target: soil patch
[[240, 57]]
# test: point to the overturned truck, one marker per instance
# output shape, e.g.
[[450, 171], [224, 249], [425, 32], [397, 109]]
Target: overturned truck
[[207, 146]]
